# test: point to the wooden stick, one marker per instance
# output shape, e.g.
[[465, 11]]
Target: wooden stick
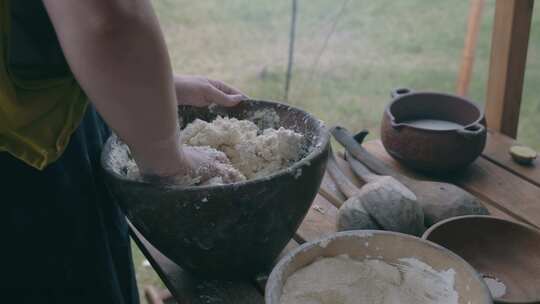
[[471, 37], [292, 39], [343, 183], [360, 170], [331, 197]]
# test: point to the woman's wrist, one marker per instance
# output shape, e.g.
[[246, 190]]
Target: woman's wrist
[[161, 159]]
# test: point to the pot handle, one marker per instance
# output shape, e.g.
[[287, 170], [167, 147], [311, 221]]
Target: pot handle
[[395, 93], [472, 131]]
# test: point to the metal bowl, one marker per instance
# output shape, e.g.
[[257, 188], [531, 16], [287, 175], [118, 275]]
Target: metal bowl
[[503, 251], [233, 230], [387, 246]]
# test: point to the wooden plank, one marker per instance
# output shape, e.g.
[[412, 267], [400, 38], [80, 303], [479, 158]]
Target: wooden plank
[[496, 150], [319, 221], [344, 166], [187, 289], [329, 185], [322, 217], [376, 148], [509, 44], [504, 192]]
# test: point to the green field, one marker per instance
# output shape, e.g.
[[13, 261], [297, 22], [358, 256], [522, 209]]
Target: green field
[[375, 46]]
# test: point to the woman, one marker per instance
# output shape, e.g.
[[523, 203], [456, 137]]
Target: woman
[[66, 241]]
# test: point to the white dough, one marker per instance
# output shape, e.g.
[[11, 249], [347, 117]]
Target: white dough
[[253, 154], [220, 163], [238, 151], [343, 280]]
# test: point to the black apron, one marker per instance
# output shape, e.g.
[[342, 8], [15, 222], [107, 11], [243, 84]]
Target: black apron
[[63, 239]]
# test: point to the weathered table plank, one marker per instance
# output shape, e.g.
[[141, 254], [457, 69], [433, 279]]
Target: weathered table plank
[[319, 221], [187, 289], [496, 150], [489, 182], [322, 216], [329, 185], [376, 149]]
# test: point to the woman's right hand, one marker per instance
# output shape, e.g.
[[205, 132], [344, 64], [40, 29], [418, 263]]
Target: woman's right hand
[[206, 164], [192, 165]]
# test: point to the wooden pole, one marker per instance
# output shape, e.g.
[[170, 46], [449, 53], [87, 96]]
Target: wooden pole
[[509, 46], [292, 38], [471, 37]]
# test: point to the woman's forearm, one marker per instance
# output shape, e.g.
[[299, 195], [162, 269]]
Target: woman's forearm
[[116, 51]]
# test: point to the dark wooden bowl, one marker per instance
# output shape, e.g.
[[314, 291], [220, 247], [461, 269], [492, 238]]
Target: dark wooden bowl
[[430, 149], [233, 230], [496, 248], [387, 246]]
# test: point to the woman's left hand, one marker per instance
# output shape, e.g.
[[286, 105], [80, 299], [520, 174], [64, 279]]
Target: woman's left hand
[[200, 91]]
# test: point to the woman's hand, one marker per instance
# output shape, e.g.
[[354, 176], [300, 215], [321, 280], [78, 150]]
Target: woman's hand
[[207, 164], [200, 91], [176, 165], [194, 165]]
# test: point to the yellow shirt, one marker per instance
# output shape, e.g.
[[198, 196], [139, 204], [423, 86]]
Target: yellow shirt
[[37, 115]]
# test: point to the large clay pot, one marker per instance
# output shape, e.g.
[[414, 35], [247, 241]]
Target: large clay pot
[[431, 147], [234, 230]]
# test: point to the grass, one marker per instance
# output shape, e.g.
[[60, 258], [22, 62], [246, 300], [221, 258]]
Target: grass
[[376, 46]]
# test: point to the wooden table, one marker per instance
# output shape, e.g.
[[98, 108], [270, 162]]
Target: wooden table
[[508, 190]]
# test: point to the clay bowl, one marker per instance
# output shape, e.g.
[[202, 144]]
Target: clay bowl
[[233, 230], [388, 246], [411, 136], [498, 249]]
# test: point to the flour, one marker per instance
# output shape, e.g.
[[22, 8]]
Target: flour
[[253, 152], [343, 280], [122, 161], [496, 287]]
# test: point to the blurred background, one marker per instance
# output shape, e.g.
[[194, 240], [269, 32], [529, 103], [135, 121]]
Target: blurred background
[[348, 55]]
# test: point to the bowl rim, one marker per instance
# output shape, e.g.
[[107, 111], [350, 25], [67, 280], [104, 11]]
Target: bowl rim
[[277, 271], [479, 120], [437, 225], [531, 228], [318, 149]]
